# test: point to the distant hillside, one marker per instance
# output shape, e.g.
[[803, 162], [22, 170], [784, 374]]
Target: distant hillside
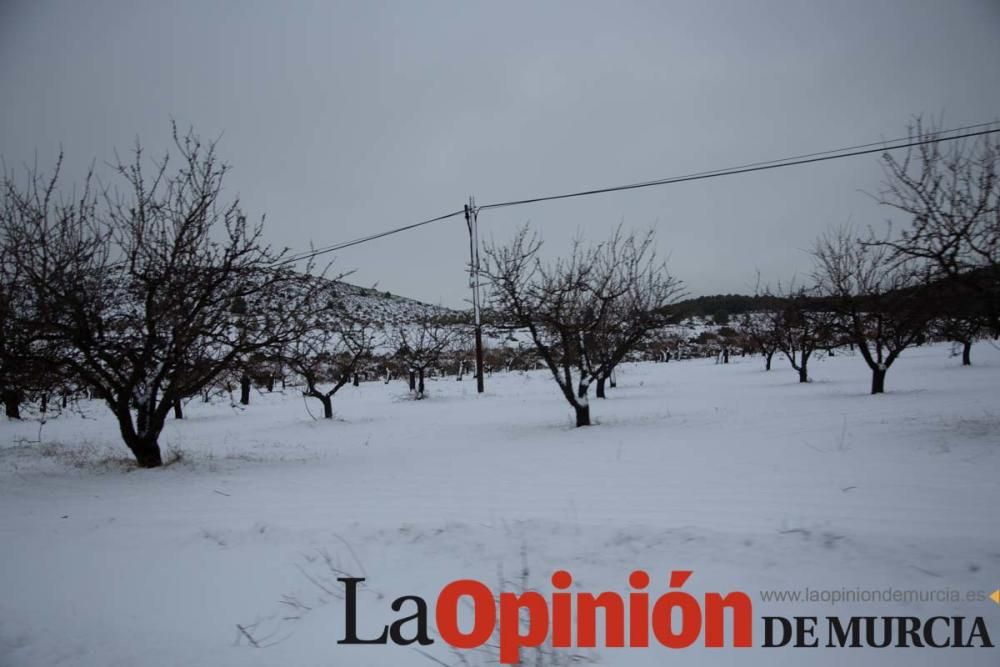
[[947, 295], [386, 310], [720, 307], [717, 309]]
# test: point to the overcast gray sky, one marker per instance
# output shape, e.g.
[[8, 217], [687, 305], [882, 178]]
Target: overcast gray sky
[[345, 118]]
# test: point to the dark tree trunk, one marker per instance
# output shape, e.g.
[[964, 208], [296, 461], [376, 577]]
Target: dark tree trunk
[[245, 390], [600, 388], [803, 365], [145, 448], [327, 402], [768, 356], [356, 381], [12, 403], [65, 399], [582, 415], [613, 379], [413, 381], [178, 410], [967, 353], [270, 383], [142, 419], [420, 383], [878, 380], [146, 452], [581, 390], [142, 438]]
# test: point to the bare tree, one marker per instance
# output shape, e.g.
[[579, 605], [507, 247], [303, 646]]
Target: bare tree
[[758, 329], [951, 193], [633, 304], [15, 338], [329, 354], [28, 364], [421, 346], [150, 292], [881, 303], [961, 317], [800, 326], [586, 312], [663, 345]]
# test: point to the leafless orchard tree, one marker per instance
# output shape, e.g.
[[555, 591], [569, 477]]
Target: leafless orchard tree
[[880, 302], [663, 345], [951, 193], [148, 292], [800, 325], [28, 363], [329, 354], [962, 330], [758, 329], [421, 345], [585, 312], [15, 339], [960, 317], [633, 304]]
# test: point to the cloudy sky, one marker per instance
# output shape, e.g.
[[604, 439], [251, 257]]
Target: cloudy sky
[[344, 119]]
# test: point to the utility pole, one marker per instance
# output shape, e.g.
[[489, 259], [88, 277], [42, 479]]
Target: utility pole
[[471, 216]]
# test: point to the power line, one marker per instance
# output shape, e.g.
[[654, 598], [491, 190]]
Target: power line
[[364, 239], [821, 156], [760, 166], [884, 143]]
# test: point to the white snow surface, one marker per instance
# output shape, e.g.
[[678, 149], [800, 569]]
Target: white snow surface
[[747, 477]]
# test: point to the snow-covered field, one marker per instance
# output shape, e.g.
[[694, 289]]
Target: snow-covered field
[[748, 478]]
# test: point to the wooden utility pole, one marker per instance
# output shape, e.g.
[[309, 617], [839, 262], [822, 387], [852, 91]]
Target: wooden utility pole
[[471, 215]]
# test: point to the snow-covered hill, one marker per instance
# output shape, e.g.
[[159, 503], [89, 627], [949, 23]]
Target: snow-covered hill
[[386, 310]]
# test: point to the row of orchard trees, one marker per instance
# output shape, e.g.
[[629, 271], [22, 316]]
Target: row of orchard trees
[[879, 294], [937, 278], [146, 289], [149, 289], [154, 289], [858, 298]]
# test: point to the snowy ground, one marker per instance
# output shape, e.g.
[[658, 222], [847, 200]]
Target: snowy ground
[[748, 478]]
